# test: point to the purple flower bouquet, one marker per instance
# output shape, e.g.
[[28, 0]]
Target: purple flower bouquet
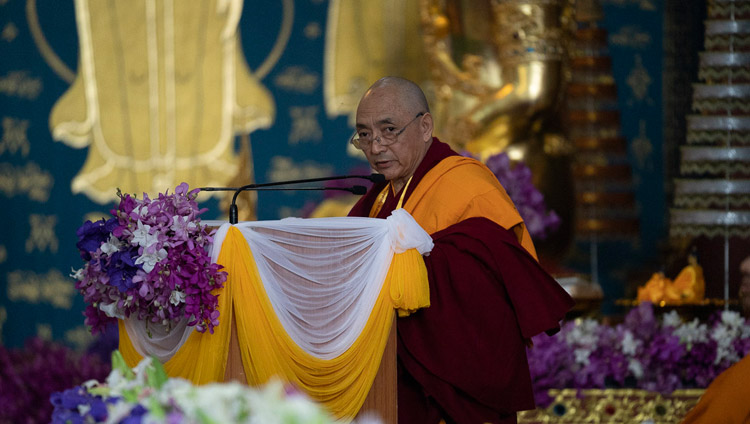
[[658, 354], [150, 261]]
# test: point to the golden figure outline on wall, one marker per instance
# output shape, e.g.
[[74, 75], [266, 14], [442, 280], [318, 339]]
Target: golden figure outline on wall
[[162, 104]]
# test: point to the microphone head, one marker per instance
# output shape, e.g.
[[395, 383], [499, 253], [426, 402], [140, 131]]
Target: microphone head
[[377, 178], [359, 190]]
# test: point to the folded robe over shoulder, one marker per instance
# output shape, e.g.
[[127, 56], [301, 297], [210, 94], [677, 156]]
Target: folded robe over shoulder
[[463, 359], [466, 351]]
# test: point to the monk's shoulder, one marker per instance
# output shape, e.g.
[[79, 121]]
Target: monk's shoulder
[[467, 178]]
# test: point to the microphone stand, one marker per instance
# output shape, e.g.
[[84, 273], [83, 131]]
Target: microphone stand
[[375, 178]]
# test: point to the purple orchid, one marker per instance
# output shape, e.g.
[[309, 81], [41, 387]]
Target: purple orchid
[[643, 352], [150, 261]]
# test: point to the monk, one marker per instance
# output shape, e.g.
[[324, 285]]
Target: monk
[[727, 398], [462, 359]]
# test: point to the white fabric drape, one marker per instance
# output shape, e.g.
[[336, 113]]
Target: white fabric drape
[[321, 275], [157, 340]]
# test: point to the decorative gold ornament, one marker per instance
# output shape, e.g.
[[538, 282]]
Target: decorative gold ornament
[[497, 67], [613, 406]]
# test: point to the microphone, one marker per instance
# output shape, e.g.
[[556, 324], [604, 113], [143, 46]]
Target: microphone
[[375, 178], [357, 189]]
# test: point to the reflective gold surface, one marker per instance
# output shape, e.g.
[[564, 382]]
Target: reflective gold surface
[[613, 406], [497, 66]]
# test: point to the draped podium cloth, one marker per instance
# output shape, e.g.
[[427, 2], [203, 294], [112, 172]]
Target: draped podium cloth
[[313, 301], [463, 359]]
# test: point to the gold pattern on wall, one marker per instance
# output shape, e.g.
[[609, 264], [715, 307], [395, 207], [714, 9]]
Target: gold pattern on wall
[[52, 288], [44, 331], [312, 30], [631, 36], [14, 136], [285, 168], [10, 32], [161, 91], [642, 147], [42, 233], [3, 254], [305, 126], [20, 84], [297, 79], [29, 179], [639, 81], [80, 337]]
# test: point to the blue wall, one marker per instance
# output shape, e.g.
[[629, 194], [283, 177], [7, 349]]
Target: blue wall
[[37, 241]]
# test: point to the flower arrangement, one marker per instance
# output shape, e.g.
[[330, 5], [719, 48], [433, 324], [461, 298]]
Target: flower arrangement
[[30, 374], [150, 260], [644, 352], [517, 181], [146, 394]]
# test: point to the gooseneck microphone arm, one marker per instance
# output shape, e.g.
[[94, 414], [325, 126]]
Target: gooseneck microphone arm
[[375, 178]]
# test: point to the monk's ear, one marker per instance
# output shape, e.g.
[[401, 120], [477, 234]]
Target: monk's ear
[[426, 126]]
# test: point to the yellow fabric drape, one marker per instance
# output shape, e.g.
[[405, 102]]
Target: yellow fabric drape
[[341, 384], [203, 357], [442, 198]]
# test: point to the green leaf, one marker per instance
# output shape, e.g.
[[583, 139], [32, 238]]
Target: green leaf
[[118, 363], [155, 374]]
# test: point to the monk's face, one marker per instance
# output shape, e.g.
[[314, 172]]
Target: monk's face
[[383, 111]]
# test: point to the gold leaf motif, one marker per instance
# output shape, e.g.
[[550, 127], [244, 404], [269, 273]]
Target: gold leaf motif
[[643, 148], [42, 235], [305, 124], [313, 30], [14, 136], [52, 288], [29, 179], [19, 84], [284, 168], [639, 80], [79, 336], [44, 331], [297, 79], [10, 32]]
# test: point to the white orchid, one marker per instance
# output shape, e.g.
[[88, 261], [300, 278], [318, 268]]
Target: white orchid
[[149, 260], [142, 236]]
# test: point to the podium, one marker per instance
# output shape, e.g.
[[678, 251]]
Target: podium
[[382, 400], [310, 301]]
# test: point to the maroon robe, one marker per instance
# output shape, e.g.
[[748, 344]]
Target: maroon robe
[[463, 359]]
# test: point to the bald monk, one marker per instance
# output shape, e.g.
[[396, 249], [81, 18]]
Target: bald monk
[[727, 398], [462, 359]]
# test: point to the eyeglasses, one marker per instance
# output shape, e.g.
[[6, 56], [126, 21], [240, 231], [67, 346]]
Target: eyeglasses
[[363, 139]]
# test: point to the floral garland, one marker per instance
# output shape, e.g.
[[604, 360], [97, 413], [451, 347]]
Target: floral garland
[[29, 375], [660, 355], [517, 180], [151, 261], [145, 394]]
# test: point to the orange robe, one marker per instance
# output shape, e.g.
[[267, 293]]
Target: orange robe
[[463, 358], [727, 398]]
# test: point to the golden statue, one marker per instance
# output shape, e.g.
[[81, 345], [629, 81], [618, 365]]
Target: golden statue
[[497, 67]]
